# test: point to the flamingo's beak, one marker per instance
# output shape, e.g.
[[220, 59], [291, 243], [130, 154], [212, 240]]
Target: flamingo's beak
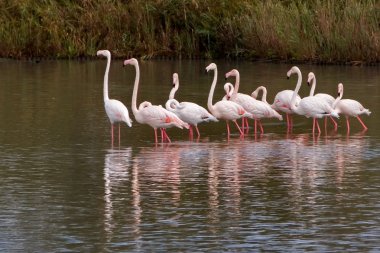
[[308, 83]]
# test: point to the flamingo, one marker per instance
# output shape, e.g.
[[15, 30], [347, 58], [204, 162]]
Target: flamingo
[[262, 109], [189, 112], [116, 110], [273, 112], [257, 108], [328, 98], [310, 106], [349, 107], [224, 109], [282, 103], [153, 115]]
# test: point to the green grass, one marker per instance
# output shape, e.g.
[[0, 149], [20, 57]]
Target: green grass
[[289, 30]]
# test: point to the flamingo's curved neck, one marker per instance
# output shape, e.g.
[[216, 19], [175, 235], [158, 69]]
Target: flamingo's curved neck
[[135, 89], [313, 86], [105, 82], [264, 97], [295, 93], [338, 98], [174, 89], [169, 104], [212, 89], [237, 82]]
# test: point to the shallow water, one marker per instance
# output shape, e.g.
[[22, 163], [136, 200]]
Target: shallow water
[[65, 189]]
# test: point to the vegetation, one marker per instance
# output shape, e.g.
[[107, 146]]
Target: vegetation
[[330, 31]]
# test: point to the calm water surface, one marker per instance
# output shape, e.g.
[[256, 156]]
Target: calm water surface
[[65, 189]]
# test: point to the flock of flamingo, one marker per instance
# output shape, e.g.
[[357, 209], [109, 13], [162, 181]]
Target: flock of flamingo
[[232, 107]]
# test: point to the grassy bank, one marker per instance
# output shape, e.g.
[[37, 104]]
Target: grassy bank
[[319, 31]]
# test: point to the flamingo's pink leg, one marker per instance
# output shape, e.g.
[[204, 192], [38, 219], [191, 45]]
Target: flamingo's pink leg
[[334, 122], [287, 120], [237, 125], [190, 132], [119, 134], [162, 135], [155, 135], [348, 124], [242, 123], [361, 122], [196, 128], [228, 129], [166, 136], [246, 124], [319, 129], [313, 125], [261, 127], [112, 134], [255, 126]]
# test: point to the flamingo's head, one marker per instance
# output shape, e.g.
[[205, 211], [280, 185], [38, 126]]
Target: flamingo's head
[[229, 89], [233, 72], [310, 77], [175, 79], [293, 70], [131, 61], [105, 53], [212, 66], [340, 88]]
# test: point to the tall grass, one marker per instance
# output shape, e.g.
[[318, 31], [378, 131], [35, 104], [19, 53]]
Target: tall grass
[[318, 30]]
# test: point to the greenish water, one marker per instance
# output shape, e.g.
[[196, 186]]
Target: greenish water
[[65, 189]]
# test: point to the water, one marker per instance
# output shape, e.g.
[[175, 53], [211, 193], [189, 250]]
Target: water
[[65, 189]]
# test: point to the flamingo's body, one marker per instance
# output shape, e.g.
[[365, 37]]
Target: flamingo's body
[[224, 109], [189, 112], [282, 102], [257, 108], [326, 97], [153, 115], [310, 106], [116, 111], [272, 113], [350, 108]]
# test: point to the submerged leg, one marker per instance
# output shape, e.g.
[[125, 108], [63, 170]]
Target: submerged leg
[[319, 129], [155, 135], [112, 134], [196, 128], [119, 134], [228, 129], [361, 122], [166, 135], [348, 124], [237, 125], [261, 127]]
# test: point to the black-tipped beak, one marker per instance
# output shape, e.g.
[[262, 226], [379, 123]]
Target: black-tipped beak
[[123, 65], [338, 94], [287, 77], [225, 79], [173, 85], [206, 71], [308, 83]]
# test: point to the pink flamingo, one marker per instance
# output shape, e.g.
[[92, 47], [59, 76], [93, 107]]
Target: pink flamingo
[[262, 109], [272, 112], [189, 112], [153, 115], [349, 107], [328, 98], [224, 109], [310, 106], [282, 103], [257, 108], [116, 110]]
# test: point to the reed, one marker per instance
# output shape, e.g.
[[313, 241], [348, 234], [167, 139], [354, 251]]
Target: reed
[[290, 30]]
